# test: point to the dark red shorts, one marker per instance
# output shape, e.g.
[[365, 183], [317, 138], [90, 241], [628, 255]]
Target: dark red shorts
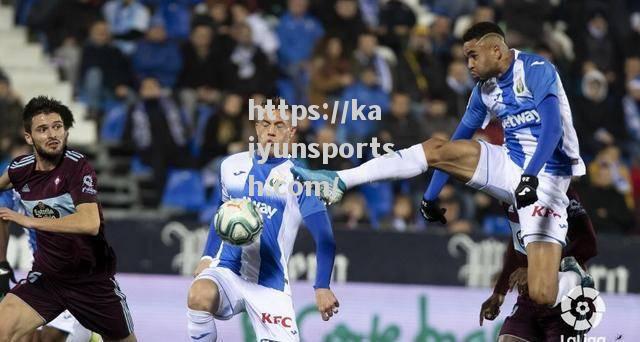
[[534, 322], [98, 305]]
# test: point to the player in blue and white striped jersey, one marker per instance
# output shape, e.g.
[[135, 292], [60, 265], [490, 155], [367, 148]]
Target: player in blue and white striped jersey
[[254, 278], [531, 170]]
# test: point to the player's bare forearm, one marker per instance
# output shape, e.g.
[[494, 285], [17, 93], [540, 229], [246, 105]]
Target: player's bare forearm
[[86, 220], [4, 240]]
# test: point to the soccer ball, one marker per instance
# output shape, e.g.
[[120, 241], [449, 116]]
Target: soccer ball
[[238, 222]]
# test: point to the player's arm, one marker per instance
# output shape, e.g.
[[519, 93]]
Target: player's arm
[[5, 182], [474, 118], [316, 219], [581, 235], [542, 80], [86, 220]]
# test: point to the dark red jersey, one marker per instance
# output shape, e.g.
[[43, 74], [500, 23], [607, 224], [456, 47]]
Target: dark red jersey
[[55, 194]]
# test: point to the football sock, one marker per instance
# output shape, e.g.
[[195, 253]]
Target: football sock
[[566, 282], [202, 327], [402, 164]]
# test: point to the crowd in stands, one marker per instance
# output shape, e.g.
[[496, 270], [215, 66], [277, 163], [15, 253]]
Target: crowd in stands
[[172, 78]]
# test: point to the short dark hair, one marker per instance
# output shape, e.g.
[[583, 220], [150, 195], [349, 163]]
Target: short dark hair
[[481, 29], [46, 105]]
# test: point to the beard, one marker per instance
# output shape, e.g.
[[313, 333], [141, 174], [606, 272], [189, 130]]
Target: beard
[[50, 156]]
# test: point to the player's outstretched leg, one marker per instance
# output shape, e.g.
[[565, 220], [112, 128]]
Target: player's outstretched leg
[[458, 158], [203, 300], [17, 318]]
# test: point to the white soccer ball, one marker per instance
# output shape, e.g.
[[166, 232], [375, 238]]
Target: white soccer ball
[[238, 222]]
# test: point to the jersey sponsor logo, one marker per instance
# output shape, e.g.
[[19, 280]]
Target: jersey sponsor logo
[[264, 208], [42, 210], [277, 320], [544, 212], [87, 185], [516, 120]]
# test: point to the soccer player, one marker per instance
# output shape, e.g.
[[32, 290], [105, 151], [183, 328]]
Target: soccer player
[[254, 278], [64, 328], [529, 321], [73, 266], [532, 170]]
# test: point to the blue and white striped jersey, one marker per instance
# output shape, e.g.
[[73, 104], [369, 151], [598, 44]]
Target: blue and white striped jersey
[[11, 199], [265, 261], [513, 99]]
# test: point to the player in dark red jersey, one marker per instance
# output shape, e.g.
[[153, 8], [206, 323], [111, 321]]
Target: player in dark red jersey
[[530, 321], [73, 266]]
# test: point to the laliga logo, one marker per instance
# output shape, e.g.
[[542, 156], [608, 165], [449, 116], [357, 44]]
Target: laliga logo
[[582, 308]]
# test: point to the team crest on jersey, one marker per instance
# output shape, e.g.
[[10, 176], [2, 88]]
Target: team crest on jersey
[[519, 86], [41, 210]]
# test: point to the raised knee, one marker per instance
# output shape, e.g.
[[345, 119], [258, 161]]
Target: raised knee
[[203, 296], [434, 150]]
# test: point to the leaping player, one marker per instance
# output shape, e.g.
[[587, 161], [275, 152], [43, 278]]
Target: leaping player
[[531, 170], [254, 278]]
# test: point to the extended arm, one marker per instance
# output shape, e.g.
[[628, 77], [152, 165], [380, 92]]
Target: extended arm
[[86, 220], [320, 228]]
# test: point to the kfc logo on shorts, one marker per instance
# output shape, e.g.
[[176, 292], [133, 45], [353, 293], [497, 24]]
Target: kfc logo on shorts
[[544, 212], [278, 320]]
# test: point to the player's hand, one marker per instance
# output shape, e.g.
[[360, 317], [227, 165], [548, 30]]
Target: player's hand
[[432, 212], [6, 275], [204, 263], [526, 191], [519, 279], [10, 215], [327, 303], [491, 307]]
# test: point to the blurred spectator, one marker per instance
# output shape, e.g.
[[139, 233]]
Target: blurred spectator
[[480, 14], [330, 72], [367, 56], [598, 46], [597, 116], [345, 22], [418, 73], [525, 20], [632, 45], [201, 75], [324, 137], [174, 15], [352, 213], [104, 70], [366, 92], [396, 21], [64, 20], [631, 104], [436, 118], [400, 126], [11, 111], [158, 133], [128, 21], [459, 86], [157, 57], [452, 9], [605, 205], [216, 14], [298, 33], [403, 215], [263, 35], [17, 147], [619, 173], [451, 201], [247, 69], [223, 132], [441, 38]]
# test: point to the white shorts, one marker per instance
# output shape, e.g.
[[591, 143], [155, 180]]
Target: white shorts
[[69, 324], [498, 176], [270, 311]]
